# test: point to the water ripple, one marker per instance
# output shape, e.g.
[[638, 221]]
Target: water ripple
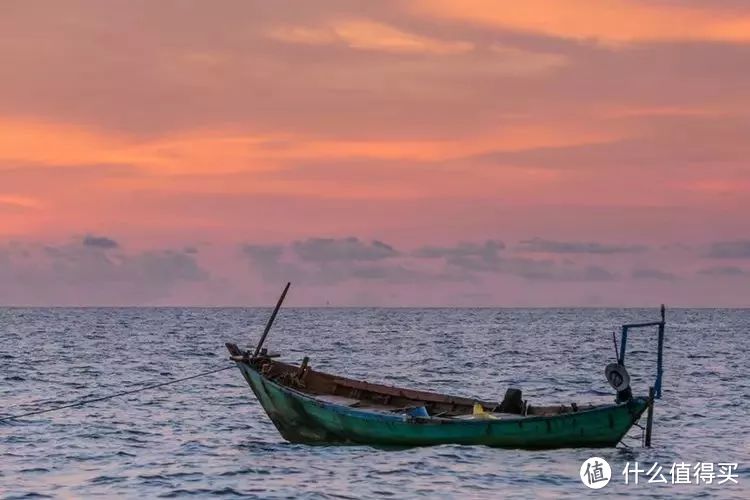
[[208, 437]]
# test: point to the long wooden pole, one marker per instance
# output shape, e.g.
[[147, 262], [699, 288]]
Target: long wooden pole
[[650, 416], [271, 320]]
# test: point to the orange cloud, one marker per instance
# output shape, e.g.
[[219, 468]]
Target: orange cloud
[[220, 152], [16, 201], [614, 21], [368, 35], [66, 174], [35, 141], [718, 187], [527, 62], [619, 111]]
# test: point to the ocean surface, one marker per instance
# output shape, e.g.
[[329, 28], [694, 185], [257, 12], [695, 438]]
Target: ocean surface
[[208, 436]]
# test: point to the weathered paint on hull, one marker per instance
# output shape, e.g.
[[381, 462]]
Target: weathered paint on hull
[[302, 419]]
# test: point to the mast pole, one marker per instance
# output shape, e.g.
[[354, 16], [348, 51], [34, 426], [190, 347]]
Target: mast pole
[[271, 320]]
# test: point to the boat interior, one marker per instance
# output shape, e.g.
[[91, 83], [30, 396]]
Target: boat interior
[[377, 397]]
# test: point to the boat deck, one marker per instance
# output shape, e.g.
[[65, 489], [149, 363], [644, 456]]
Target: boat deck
[[353, 393]]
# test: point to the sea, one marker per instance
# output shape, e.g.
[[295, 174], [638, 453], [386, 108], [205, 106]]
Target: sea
[[208, 437]]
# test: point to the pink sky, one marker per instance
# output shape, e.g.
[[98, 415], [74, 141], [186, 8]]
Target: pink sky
[[429, 152]]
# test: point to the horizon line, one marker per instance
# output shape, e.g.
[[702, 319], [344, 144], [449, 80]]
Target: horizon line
[[269, 306]]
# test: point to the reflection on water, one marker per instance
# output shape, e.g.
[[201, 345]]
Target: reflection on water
[[209, 436]]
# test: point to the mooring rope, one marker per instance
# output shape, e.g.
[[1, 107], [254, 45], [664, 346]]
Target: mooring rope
[[110, 396]]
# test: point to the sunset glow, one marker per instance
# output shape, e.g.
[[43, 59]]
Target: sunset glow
[[225, 148]]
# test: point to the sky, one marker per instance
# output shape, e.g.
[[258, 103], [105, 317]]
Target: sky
[[391, 153]]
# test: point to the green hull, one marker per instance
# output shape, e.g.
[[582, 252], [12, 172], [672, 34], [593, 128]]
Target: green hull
[[301, 418]]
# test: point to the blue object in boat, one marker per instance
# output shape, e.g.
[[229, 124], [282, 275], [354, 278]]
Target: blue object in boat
[[419, 411]]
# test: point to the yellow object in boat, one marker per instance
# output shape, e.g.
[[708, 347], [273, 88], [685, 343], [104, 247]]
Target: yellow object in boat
[[479, 412]]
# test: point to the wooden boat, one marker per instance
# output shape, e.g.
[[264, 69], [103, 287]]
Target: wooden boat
[[308, 406]]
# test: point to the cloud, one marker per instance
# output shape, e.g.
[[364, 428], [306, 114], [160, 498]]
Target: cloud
[[675, 247], [544, 270], [169, 266], [99, 242], [263, 253], [266, 261], [660, 145], [724, 271], [76, 274], [652, 274], [18, 203], [610, 21], [526, 62], [335, 261], [487, 250], [351, 249], [482, 258], [466, 256], [340, 60], [326, 261], [362, 34], [540, 245], [738, 249], [395, 273], [342, 117]]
